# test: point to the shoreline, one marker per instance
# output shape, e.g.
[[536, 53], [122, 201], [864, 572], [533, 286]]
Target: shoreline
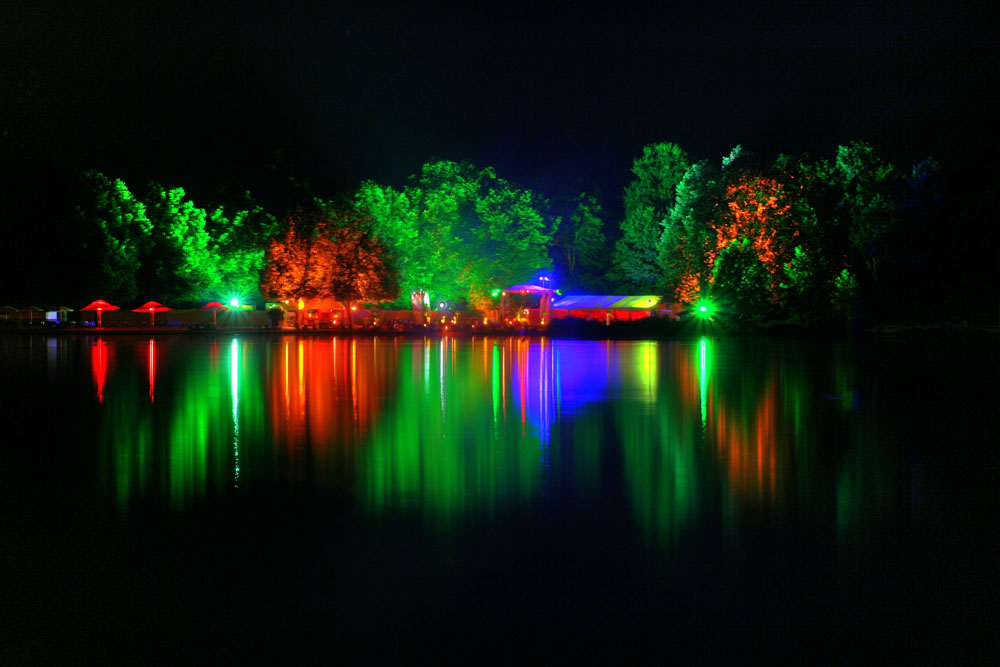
[[622, 331]]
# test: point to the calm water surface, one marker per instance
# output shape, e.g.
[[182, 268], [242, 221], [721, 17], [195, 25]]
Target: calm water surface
[[331, 499]]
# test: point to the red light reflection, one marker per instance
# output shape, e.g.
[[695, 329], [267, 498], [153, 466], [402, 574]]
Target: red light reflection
[[99, 366]]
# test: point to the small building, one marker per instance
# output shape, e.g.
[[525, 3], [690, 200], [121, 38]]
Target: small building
[[528, 305], [532, 305]]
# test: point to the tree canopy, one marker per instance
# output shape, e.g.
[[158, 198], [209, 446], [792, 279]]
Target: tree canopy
[[460, 231], [326, 251], [800, 239], [648, 201]]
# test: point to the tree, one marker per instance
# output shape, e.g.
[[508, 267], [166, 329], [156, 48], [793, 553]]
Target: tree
[[648, 201], [741, 281], [199, 255], [507, 239], [758, 209], [241, 231], [581, 243], [763, 212], [688, 234], [361, 268], [806, 290], [179, 265], [293, 264], [460, 231], [396, 220], [115, 231], [871, 195], [329, 251]]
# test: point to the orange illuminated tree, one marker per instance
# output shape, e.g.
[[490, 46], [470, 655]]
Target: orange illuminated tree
[[760, 210], [329, 251]]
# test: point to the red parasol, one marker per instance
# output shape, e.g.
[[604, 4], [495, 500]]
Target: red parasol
[[99, 305], [215, 307], [151, 307]]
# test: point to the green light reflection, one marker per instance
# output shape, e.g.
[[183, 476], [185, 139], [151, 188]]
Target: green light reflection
[[722, 431], [235, 385], [450, 458], [703, 378]]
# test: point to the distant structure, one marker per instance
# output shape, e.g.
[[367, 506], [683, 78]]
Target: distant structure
[[533, 305]]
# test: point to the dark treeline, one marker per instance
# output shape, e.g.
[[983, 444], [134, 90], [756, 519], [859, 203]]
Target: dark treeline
[[802, 239]]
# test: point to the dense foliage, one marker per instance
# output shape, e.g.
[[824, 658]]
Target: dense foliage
[[459, 232], [648, 201], [163, 246], [327, 251], [803, 239]]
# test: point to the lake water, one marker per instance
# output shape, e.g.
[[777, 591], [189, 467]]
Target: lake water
[[194, 499]]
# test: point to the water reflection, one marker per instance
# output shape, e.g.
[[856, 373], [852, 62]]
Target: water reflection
[[99, 365], [323, 396], [460, 433], [152, 369], [693, 434], [234, 373]]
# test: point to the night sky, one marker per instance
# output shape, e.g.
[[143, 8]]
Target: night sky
[[555, 96]]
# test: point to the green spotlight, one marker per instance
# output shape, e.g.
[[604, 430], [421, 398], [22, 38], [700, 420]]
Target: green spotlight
[[704, 310]]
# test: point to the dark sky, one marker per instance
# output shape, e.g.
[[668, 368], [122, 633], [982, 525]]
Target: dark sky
[[552, 96]]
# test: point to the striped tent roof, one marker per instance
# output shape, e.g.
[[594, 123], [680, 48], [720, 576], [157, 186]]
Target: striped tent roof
[[527, 288]]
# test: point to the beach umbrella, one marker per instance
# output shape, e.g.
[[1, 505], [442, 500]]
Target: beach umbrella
[[215, 307], [59, 310], [151, 307], [31, 310], [99, 305]]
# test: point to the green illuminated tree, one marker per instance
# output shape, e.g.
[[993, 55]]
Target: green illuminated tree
[[871, 193], [806, 290], [114, 233], [742, 282], [581, 245], [180, 264], [396, 221], [460, 231], [688, 233], [509, 237], [421, 240], [649, 199], [845, 287], [240, 232], [199, 255]]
